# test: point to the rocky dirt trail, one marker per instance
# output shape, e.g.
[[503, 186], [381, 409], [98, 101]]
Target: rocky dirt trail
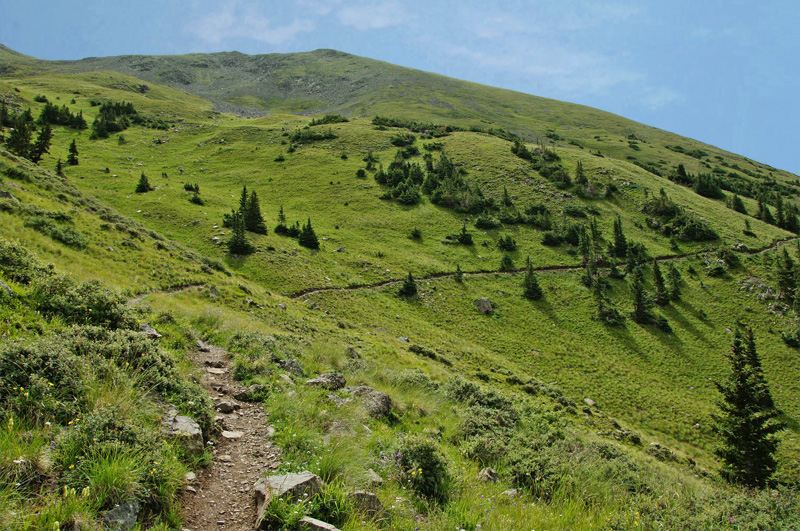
[[222, 496]]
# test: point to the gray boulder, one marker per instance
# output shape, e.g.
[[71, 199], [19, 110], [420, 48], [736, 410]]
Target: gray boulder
[[484, 305], [149, 331], [367, 503], [122, 517], [288, 486], [376, 403], [488, 475], [330, 381], [185, 431], [293, 366]]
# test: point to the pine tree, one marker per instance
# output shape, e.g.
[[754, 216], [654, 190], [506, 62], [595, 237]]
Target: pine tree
[[19, 138], [642, 304], [409, 287], [42, 144], [506, 263], [143, 185], [674, 282], [307, 237], [253, 219], [238, 244], [281, 227], [72, 157], [507, 198], [459, 275], [746, 424], [662, 295], [738, 205], [620, 242], [243, 201], [530, 284], [59, 167], [580, 176], [786, 276]]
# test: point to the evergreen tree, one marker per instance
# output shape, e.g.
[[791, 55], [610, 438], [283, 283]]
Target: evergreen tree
[[530, 284], [674, 282], [253, 219], [506, 263], [42, 144], [580, 176], [59, 167], [786, 276], [746, 423], [620, 242], [738, 205], [507, 198], [19, 138], [459, 275], [243, 202], [307, 237], [281, 228], [238, 244], [5, 118], [409, 287], [662, 295], [781, 219], [642, 303], [143, 185], [72, 157]]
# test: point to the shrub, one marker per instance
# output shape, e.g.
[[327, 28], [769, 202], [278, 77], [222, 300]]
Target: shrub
[[409, 287], [507, 243], [88, 302], [486, 221], [425, 469]]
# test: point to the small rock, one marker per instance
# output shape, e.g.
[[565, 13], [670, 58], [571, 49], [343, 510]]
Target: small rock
[[213, 292], [403, 339], [190, 477], [352, 354], [282, 306], [202, 346], [293, 366], [312, 524], [373, 479], [251, 391], [191, 489], [217, 364], [224, 458], [488, 475], [233, 434], [149, 331], [368, 503], [213, 370], [331, 381], [122, 518], [589, 402], [287, 379], [226, 406], [339, 250], [484, 305], [511, 493]]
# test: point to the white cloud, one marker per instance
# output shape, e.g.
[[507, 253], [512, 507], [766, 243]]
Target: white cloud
[[369, 16], [237, 20]]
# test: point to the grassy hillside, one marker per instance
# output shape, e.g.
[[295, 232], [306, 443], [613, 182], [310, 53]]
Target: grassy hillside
[[534, 361]]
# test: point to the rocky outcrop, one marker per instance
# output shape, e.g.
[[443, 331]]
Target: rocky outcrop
[[488, 475], [376, 403], [149, 331], [312, 524], [330, 381], [287, 486], [183, 430]]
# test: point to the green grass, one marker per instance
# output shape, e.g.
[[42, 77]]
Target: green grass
[[647, 384]]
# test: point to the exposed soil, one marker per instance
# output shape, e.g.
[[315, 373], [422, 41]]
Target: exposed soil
[[243, 452]]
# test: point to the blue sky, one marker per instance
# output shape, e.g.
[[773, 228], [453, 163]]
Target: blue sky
[[724, 72]]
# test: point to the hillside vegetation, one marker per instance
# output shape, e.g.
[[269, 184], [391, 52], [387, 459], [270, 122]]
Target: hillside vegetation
[[618, 261]]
